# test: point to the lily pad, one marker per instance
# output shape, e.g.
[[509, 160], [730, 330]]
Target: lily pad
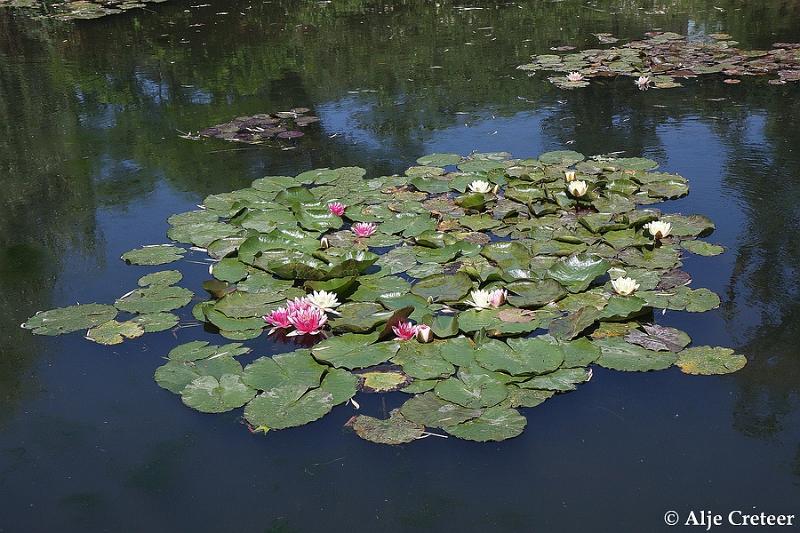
[[158, 254], [706, 361], [69, 319], [494, 424], [394, 430], [208, 394]]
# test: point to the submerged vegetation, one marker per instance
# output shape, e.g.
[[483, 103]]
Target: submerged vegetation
[[476, 285], [662, 57]]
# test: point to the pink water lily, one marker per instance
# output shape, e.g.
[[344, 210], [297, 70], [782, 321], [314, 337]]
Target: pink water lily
[[405, 331], [299, 304], [336, 208], [307, 321], [279, 319], [498, 297], [364, 229]]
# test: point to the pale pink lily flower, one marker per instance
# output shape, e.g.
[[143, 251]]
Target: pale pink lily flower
[[574, 76], [405, 330], [497, 297], [307, 322], [424, 333], [364, 229], [279, 319], [336, 208]]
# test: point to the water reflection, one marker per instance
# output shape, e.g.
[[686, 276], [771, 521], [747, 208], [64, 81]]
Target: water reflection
[[91, 165]]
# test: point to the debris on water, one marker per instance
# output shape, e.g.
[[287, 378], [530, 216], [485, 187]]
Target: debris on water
[[260, 128]]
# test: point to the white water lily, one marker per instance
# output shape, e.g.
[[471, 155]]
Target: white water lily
[[577, 188], [569, 175], [424, 333], [324, 243], [574, 76], [624, 286], [480, 186], [324, 300], [659, 229], [483, 299], [643, 83]]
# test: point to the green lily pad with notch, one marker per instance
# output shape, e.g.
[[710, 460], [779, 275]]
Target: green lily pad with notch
[[563, 379], [474, 387], [352, 351], [155, 322], [577, 272], [154, 299], [394, 430], [617, 354], [689, 225], [431, 411], [439, 160], [561, 157], [69, 319], [422, 360], [288, 406], [708, 361], [295, 368], [702, 248], [518, 397], [229, 269], [114, 332], [494, 424], [443, 287], [159, 254], [165, 277], [572, 325], [534, 294], [359, 317], [208, 394], [176, 375]]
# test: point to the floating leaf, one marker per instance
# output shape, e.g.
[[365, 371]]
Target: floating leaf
[[159, 254], [706, 361], [209, 395], [617, 354], [430, 410], [113, 332], [494, 424], [395, 430], [69, 319]]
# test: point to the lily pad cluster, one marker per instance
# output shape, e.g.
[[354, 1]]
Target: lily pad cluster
[[76, 9], [476, 285], [662, 58], [147, 308], [261, 128]]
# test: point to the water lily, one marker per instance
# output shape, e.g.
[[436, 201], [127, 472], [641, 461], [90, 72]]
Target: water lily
[[364, 229], [279, 319], [643, 83], [324, 243], [569, 175], [480, 186], [424, 333], [324, 300], [658, 229], [497, 297], [405, 330], [574, 76], [336, 208], [577, 188], [624, 286], [485, 299], [298, 304], [308, 322]]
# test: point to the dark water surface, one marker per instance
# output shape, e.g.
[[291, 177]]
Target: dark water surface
[[91, 166]]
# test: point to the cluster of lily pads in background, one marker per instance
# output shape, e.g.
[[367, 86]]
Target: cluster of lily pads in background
[[662, 57], [77, 9], [476, 285], [261, 128]]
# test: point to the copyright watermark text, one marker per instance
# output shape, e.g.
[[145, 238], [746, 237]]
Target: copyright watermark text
[[709, 519]]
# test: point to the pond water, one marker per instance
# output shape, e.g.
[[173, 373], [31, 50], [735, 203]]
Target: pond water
[[91, 166]]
